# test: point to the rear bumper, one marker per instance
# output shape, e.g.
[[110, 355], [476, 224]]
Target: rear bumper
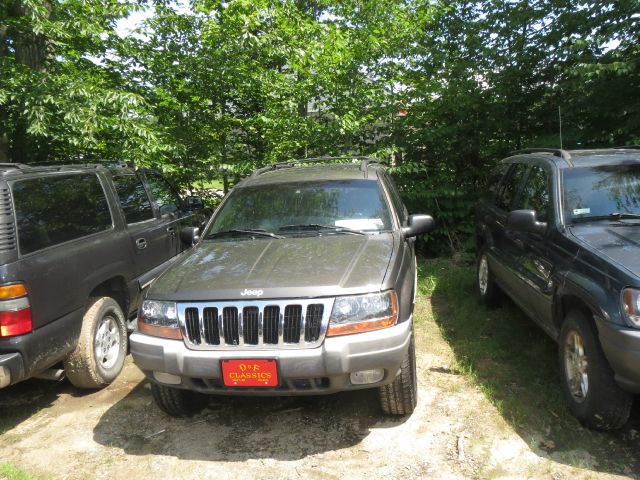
[[27, 355], [313, 371], [11, 369], [621, 346]]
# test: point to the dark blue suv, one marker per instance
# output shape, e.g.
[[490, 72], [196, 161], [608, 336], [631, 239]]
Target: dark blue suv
[[559, 233]]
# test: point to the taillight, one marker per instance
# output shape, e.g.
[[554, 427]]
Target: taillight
[[15, 311]]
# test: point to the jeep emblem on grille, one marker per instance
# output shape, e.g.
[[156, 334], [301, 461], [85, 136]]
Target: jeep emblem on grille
[[251, 293]]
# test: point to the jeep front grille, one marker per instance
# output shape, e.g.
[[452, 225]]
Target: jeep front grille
[[260, 324]]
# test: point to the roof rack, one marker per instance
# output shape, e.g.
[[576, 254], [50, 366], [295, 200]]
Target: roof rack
[[558, 152], [19, 166], [66, 166], [365, 162]]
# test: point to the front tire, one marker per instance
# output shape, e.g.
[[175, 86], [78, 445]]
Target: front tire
[[178, 402], [401, 396], [588, 381], [488, 290], [102, 346]]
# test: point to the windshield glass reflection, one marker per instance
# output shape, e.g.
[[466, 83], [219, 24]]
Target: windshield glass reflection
[[350, 204], [600, 191]]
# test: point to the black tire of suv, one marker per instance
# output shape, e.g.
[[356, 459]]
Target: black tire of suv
[[400, 397], [491, 296], [605, 406], [178, 402], [81, 366]]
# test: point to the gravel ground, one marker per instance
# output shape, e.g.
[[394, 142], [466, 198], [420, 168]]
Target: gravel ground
[[54, 430]]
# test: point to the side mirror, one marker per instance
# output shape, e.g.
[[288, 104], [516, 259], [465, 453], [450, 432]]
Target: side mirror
[[190, 235], [525, 221], [193, 202], [418, 225]]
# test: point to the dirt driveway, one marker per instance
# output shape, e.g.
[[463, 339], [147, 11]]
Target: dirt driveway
[[56, 431]]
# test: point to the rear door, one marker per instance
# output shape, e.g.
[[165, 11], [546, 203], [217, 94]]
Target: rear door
[[501, 259]]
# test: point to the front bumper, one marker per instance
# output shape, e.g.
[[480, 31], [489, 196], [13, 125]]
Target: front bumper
[[311, 371], [621, 346]]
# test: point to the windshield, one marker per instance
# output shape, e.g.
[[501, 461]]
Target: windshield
[[601, 191], [305, 207]]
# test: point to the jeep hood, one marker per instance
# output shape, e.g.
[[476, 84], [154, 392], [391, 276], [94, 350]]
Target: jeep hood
[[621, 244], [277, 268]]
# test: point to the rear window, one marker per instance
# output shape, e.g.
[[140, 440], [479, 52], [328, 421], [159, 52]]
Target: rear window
[[56, 209]]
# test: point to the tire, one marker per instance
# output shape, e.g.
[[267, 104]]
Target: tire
[[102, 346], [488, 291], [401, 396], [588, 381], [177, 402]]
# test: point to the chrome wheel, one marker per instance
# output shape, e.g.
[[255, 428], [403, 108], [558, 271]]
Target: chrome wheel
[[483, 275], [107, 342], [576, 365]]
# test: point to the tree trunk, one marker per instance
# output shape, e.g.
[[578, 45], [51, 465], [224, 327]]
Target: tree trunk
[[31, 50], [4, 114]]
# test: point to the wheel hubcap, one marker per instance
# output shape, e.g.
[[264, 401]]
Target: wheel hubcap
[[107, 342], [576, 365], [483, 275]]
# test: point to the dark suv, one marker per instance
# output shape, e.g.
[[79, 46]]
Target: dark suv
[[559, 233], [78, 245], [303, 283]]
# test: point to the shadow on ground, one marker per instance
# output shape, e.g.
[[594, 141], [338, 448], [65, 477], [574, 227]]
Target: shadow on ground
[[21, 401], [515, 365], [239, 429]]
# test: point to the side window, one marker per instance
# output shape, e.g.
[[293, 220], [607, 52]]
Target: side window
[[133, 197], [163, 195], [509, 187], [56, 209], [535, 194], [397, 201], [494, 180]]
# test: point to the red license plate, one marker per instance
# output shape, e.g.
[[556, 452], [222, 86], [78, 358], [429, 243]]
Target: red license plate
[[250, 373]]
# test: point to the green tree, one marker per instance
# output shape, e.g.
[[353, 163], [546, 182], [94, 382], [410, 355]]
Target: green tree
[[59, 98]]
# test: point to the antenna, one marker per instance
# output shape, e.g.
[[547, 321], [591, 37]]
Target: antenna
[[560, 122]]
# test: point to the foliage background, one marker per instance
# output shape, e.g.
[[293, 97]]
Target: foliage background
[[208, 89]]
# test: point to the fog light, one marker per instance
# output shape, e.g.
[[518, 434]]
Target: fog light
[[167, 378], [5, 377], [367, 376]]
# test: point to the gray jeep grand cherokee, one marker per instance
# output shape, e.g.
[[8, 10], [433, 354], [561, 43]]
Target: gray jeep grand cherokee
[[303, 283]]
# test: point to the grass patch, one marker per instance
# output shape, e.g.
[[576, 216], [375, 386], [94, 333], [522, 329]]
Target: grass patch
[[514, 363], [9, 472], [210, 184]]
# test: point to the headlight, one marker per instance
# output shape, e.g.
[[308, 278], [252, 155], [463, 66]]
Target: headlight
[[159, 319], [363, 313], [631, 306]]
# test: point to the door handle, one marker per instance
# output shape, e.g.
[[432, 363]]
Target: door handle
[[141, 243], [171, 230]]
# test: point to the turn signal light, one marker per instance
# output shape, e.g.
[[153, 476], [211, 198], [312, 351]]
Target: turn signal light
[[12, 291]]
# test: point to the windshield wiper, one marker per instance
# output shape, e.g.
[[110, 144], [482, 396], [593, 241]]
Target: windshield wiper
[[318, 226], [610, 216], [238, 231]]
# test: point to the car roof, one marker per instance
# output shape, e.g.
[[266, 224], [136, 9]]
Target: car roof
[[579, 158], [297, 172]]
